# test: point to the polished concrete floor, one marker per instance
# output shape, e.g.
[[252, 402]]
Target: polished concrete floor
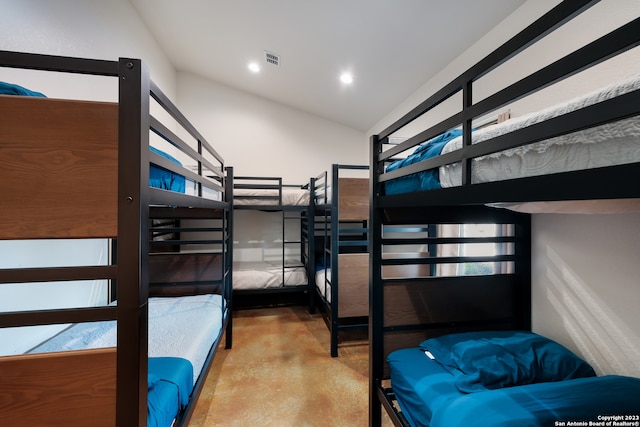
[[279, 373]]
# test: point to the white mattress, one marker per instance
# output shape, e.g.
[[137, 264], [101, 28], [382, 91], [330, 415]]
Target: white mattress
[[290, 197], [610, 144], [324, 285], [171, 330], [249, 275], [191, 189]]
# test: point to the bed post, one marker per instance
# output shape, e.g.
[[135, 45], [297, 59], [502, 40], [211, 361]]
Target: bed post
[[376, 350], [133, 244], [335, 231], [227, 250], [311, 245]]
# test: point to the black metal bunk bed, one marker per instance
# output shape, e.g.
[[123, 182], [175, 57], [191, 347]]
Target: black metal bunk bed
[[104, 192], [279, 276], [405, 311], [340, 264]]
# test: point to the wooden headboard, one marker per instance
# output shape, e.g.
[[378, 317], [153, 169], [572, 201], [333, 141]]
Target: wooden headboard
[[59, 180], [354, 199]]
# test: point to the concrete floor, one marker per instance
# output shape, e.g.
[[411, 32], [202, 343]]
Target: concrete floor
[[280, 373]]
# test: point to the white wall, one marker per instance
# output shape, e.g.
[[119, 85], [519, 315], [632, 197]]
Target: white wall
[[585, 267], [585, 286], [259, 137], [87, 29]]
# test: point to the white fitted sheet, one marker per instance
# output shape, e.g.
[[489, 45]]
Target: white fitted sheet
[[290, 197], [248, 275], [183, 327], [611, 144], [323, 283]]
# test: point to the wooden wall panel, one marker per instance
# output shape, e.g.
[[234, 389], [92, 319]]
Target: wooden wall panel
[[59, 163]]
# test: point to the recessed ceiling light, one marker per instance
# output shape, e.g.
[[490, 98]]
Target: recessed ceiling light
[[346, 78], [254, 67]]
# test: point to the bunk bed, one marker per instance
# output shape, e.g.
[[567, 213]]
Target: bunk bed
[[479, 254], [76, 170], [273, 260], [340, 264]]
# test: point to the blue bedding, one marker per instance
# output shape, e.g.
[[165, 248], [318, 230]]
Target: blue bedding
[[163, 178], [586, 400], [158, 177], [420, 384], [13, 89], [426, 180], [429, 392], [170, 382]]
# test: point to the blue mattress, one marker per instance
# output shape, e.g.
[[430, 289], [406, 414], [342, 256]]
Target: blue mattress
[[420, 385], [547, 404], [427, 396]]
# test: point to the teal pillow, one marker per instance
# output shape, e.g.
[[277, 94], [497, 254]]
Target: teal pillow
[[492, 360]]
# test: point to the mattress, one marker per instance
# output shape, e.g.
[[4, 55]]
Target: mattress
[[420, 385], [252, 197], [171, 331], [177, 351], [427, 396], [248, 275], [324, 286], [610, 144]]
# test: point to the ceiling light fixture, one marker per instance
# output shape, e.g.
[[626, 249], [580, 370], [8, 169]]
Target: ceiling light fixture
[[254, 67], [346, 78]]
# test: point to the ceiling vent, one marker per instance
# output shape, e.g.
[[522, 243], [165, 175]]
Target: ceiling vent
[[272, 58]]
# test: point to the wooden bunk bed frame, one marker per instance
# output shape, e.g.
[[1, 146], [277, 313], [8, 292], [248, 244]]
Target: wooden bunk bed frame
[[340, 240], [269, 194], [80, 169], [403, 312]]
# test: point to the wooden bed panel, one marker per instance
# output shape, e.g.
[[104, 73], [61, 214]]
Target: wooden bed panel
[[353, 286], [354, 199], [461, 299], [407, 270], [59, 160], [184, 267], [73, 388]]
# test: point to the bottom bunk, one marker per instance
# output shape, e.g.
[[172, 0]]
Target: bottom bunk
[[76, 367], [503, 378], [269, 261]]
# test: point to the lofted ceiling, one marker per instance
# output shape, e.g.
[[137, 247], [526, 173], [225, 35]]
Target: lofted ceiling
[[392, 47]]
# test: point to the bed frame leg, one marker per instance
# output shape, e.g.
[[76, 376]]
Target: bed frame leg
[[334, 339]]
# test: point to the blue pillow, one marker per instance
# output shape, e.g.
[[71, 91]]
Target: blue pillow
[[491, 360]]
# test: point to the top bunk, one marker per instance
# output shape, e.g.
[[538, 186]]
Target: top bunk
[[66, 161], [584, 148], [268, 193]]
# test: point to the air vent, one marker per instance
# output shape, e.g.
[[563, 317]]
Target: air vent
[[272, 58]]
